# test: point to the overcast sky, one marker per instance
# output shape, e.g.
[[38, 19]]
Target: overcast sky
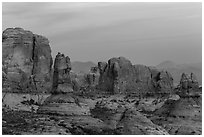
[[145, 33]]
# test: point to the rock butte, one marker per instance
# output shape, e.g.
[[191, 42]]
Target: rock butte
[[27, 65], [133, 99], [62, 82], [27, 61], [120, 76]]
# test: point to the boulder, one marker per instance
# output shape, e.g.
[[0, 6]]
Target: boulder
[[120, 76], [26, 61]]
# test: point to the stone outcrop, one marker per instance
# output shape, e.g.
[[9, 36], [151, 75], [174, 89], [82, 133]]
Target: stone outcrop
[[94, 69], [120, 76], [188, 86], [88, 81], [62, 81], [150, 105], [183, 115], [64, 104], [134, 123], [26, 61], [92, 79], [188, 81], [123, 118], [180, 117]]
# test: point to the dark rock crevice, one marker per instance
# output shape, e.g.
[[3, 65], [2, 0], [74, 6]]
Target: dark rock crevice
[[33, 55]]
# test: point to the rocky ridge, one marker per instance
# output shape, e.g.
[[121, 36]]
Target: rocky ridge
[[113, 98], [183, 115], [120, 76]]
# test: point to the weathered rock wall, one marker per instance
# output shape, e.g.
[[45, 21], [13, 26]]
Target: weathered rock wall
[[26, 61], [120, 76], [62, 81], [188, 86]]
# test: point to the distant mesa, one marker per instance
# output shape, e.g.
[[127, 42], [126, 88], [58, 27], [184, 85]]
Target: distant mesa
[[176, 70], [82, 67], [166, 64]]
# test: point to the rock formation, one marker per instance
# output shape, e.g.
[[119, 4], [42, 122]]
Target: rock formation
[[64, 104], [134, 123], [182, 115], [91, 79], [62, 81], [188, 85], [188, 81], [26, 61], [63, 101], [142, 100], [120, 76], [124, 119]]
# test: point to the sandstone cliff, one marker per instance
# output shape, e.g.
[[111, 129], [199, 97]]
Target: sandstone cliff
[[26, 61], [120, 76], [62, 81], [182, 116]]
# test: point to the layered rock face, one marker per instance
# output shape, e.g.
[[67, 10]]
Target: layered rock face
[[182, 116], [27, 66], [26, 61], [123, 117], [62, 81], [64, 104], [188, 84], [92, 79], [120, 76], [63, 101]]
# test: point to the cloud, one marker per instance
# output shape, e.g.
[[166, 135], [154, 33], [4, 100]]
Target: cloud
[[100, 26]]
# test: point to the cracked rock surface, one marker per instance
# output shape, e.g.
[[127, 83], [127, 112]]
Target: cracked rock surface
[[27, 61]]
